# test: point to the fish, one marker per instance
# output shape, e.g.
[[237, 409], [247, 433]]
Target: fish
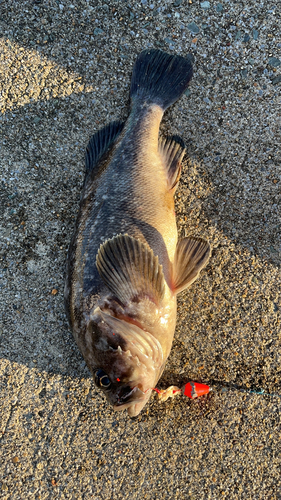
[[125, 264]]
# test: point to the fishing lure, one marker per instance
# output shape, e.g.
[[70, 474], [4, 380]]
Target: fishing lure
[[192, 390]]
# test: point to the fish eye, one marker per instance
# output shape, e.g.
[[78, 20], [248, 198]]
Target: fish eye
[[102, 379]]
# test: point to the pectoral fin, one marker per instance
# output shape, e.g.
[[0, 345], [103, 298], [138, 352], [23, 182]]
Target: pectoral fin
[[192, 254], [130, 269]]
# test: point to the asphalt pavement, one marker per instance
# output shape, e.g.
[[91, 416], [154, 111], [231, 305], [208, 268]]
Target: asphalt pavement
[[65, 69]]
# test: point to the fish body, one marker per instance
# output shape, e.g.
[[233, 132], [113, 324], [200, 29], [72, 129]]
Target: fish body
[[125, 264]]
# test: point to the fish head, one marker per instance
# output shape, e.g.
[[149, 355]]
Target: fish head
[[125, 361]]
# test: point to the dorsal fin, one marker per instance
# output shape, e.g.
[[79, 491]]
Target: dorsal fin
[[130, 269], [172, 150], [192, 254], [100, 142]]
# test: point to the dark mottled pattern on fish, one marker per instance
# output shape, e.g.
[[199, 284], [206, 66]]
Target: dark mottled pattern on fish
[[122, 321]]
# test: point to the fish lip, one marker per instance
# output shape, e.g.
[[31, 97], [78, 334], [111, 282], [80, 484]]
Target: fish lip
[[134, 406], [123, 400], [123, 403]]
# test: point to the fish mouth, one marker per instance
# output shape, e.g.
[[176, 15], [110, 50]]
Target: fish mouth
[[125, 400], [141, 354]]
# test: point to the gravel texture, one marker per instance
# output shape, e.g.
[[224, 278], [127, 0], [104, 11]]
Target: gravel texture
[[65, 71]]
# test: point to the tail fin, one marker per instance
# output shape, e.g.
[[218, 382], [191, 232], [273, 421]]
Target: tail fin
[[160, 78]]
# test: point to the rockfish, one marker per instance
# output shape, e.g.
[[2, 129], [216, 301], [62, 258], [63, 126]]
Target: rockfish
[[125, 263]]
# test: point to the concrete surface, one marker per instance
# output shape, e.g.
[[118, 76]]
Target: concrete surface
[[65, 71]]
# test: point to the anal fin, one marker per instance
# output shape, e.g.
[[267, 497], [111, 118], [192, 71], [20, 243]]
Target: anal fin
[[172, 150], [192, 254]]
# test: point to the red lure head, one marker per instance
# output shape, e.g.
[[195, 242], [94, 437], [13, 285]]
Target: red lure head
[[193, 390]]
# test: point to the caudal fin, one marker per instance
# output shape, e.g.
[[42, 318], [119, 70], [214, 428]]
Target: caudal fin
[[160, 78]]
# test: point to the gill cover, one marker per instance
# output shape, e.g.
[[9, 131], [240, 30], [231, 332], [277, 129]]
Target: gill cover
[[140, 350]]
